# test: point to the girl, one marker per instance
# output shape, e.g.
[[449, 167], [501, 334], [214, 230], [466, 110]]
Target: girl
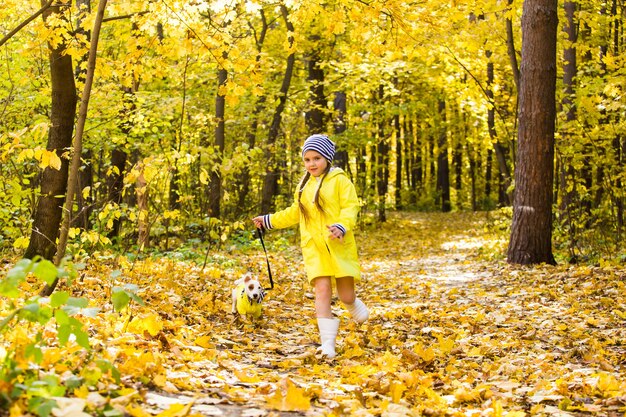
[[326, 207]]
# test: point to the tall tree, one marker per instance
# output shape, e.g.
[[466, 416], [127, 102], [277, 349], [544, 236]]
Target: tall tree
[[381, 171], [567, 172], [48, 213], [443, 165], [339, 123], [531, 230], [215, 182], [315, 116]]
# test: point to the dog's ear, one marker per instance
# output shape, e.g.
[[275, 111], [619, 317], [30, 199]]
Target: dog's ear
[[248, 278]]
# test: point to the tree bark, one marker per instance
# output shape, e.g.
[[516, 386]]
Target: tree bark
[[399, 161], [340, 107], [510, 43], [48, 213], [503, 167], [315, 117], [531, 229], [443, 166], [215, 182], [382, 160], [567, 172]]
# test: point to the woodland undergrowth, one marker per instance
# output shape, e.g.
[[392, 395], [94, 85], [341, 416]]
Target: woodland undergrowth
[[453, 330]]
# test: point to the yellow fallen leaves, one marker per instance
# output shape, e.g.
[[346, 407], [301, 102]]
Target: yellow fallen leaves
[[289, 398], [448, 335]]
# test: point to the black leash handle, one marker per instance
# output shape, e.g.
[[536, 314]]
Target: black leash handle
[[260, 232]]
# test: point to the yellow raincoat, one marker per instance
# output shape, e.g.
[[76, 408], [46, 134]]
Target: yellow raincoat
[[323, 256]]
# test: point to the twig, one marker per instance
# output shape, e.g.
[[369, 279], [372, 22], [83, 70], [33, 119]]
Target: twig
[[26, 22]]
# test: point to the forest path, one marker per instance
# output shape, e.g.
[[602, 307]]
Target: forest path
[[453, 330]]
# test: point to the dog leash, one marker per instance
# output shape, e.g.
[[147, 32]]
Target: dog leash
[[260, 232]]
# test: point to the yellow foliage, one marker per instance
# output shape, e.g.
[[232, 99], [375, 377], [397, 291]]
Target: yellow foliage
[[489, 343], [292, 398], [151, 323]]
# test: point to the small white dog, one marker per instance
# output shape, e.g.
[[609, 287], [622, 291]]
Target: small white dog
[[247, 297]]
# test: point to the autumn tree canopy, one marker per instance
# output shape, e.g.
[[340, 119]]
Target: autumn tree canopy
[[198, 110]]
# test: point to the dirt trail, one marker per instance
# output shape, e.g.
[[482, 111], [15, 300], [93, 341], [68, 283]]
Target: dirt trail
[[450, 333]]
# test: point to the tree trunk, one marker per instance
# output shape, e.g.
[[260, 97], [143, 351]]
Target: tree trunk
[[567, 171], [488, 177], [115, 185], [215, 182], [315, 116], [443, 166], [510, 43], [174, 192], [503, 167], [617, 28], [417, 171], [270, 183], [340, 108], [399, 160], [382, 160], [531, 229], [84, 202], [119, 155], [48, 213], [143, 222]]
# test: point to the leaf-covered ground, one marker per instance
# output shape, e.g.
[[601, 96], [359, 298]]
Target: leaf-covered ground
[[453, 331]]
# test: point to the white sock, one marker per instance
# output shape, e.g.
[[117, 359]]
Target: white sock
[[358, 311]]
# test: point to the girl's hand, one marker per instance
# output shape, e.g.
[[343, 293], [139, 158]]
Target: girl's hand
[[258, 222], [335, 232]]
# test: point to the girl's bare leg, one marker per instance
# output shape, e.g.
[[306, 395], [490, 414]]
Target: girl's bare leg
[[347, 295], [323, 295]]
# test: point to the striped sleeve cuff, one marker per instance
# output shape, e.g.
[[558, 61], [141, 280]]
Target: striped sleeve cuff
[[267, 225], [340, 227]]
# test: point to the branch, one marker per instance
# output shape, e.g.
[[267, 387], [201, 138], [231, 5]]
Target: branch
[[126, 16], [26, 22], [477, 81]]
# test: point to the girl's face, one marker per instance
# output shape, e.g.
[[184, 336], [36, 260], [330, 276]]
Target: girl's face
[[315, 163]]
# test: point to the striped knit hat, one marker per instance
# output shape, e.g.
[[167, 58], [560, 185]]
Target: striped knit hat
[[321, 144]]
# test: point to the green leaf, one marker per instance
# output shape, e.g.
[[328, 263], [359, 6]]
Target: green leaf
[[33, 351], [64, 333], [46, 271], [59, 298], [120, 298], [82, 338], [62, 317], [20, 269], [79, 302]]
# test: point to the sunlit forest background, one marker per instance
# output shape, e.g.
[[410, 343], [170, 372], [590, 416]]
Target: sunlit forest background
[[138, 139], [198, 110]]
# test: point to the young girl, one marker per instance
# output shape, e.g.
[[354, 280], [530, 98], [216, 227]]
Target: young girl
[[326, 207]]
